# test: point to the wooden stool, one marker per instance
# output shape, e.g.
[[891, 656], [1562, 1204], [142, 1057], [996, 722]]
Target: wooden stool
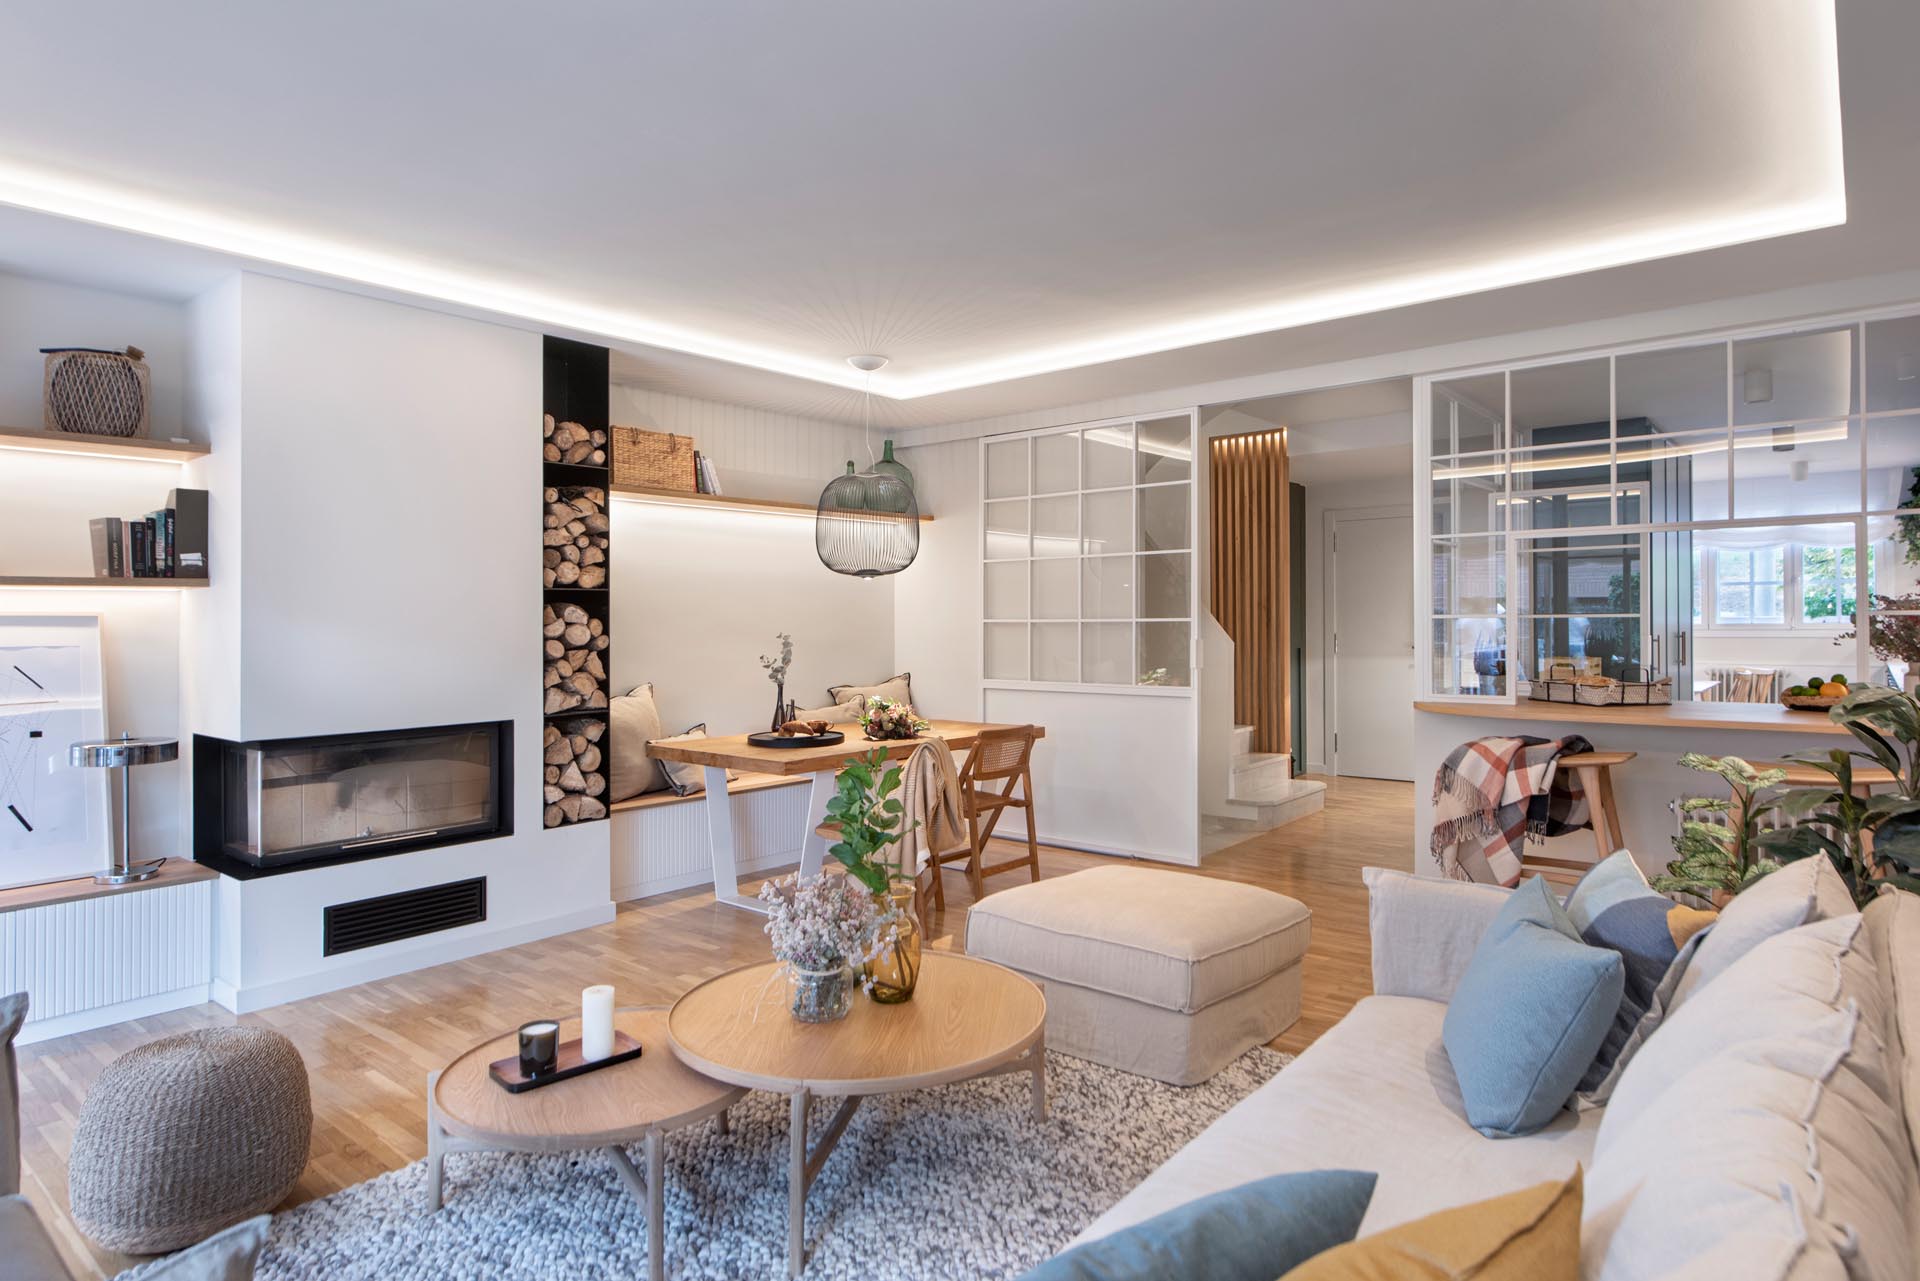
[[1865, 777], [1595, 772]]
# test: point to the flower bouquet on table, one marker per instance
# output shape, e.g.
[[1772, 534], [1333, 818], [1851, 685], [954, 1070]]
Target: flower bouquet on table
[[885, 718], [823, 928]]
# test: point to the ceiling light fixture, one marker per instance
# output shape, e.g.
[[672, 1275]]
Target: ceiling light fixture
[[868, 523]]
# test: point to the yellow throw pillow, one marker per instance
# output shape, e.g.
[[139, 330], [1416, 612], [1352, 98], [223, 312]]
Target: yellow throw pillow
[[1530, 1235]]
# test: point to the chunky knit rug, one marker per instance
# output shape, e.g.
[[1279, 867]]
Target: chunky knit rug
[[953, 1183]]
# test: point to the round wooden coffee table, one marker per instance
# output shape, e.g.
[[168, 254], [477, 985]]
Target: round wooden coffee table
[[639, 1101], [968, 1018]]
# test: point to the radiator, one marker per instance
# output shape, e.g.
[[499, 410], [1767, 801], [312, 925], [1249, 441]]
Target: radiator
[[1739, 684], [94, 961]]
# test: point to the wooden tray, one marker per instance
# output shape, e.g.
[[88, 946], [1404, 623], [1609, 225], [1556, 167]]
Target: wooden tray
[[767, 738], [1808, 703], [566, 1063]]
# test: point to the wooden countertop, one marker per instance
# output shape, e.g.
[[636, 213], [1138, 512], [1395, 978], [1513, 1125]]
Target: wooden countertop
[[176, 871], [1769, 718], [735, 752]]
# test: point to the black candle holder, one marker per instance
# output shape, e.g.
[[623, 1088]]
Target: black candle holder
[[539, 1047]]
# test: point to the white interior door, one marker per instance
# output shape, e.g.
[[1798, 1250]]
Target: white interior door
[[1370, 719]]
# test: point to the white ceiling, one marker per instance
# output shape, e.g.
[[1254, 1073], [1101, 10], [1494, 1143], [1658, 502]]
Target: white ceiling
[[1023, 205]]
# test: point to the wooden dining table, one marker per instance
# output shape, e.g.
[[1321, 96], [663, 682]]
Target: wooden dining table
[[718, 756]]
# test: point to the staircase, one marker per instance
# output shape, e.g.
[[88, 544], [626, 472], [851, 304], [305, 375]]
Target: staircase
[[1262, 791]]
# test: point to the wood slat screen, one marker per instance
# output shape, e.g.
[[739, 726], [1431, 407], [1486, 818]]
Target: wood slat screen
[[1250, 538]]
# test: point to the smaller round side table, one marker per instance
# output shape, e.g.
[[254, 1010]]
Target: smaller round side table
[[641, 1101]]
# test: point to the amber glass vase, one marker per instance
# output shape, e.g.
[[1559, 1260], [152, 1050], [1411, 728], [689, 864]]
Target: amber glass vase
[[892, 974]]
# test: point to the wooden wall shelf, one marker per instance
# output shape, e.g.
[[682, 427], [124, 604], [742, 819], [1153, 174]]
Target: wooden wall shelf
[[680, 498], [123, 447], [109, 584]]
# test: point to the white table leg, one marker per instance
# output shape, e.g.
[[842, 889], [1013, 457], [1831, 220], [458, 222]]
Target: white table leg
[[726, 866], [813, 846], [436, 1149]]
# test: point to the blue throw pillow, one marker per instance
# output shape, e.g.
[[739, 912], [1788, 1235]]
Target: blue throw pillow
[[1529, 1014], [1613, 907], [1254, 1232]]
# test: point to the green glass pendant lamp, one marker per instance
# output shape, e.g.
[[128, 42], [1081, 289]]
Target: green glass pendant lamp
[[867, 524]]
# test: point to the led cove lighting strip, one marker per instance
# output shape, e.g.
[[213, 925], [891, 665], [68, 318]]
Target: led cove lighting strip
[[1719, 446]]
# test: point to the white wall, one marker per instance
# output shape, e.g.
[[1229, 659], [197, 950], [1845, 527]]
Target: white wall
[[937, 602], [386, 583], [699, 594], [759, 453]]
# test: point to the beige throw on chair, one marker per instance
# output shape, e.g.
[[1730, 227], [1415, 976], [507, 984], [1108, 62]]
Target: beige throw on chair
[[930, 796]]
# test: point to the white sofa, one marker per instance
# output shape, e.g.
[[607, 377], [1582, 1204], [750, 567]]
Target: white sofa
[[1377, 1091]]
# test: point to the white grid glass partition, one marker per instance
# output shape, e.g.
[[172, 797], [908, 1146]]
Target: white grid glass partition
[[1645, 509], [1088, 551]]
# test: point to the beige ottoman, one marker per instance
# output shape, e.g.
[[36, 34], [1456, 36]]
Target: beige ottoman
[[1161, 973]]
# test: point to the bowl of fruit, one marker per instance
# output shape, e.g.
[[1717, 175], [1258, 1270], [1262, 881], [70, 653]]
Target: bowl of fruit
[[1817, 695]]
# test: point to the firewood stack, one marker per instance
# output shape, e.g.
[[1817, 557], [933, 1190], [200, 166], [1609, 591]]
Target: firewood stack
[[572, 443], [576, 537], [576, 672], [575, 779]]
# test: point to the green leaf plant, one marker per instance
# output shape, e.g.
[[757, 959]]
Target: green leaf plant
[[870, 818], [1872, 841], [1718, 858]]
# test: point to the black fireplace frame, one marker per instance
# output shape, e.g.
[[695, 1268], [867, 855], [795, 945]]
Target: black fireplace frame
[[209, 795]]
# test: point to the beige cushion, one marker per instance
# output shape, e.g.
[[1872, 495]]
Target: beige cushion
[[1163, 938], [898, 688], [839, 714], [1374, 1092], [634, 722], [1802, 891], [1891, 936]]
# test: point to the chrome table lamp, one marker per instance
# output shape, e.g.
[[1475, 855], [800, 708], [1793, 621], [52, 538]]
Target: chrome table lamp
[[123, 754]]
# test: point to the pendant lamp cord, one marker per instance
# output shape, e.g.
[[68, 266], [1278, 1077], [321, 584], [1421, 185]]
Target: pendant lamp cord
[[869, 419]]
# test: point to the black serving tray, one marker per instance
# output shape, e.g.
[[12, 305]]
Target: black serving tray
[[767, 738], [567, 1063]]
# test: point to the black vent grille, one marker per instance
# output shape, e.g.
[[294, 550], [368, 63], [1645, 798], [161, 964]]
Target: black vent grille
[[369, 922]]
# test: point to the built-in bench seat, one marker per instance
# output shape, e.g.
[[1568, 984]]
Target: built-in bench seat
[[742, 783], [660, 841]]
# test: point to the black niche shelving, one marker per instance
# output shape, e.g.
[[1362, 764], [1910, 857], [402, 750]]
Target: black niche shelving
[[574, 390]]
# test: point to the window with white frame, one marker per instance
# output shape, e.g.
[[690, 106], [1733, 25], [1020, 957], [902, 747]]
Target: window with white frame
[[1088, 554], [1792, 586]]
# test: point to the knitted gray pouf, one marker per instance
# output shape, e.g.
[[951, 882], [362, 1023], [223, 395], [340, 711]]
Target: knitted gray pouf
[[187, 1135]]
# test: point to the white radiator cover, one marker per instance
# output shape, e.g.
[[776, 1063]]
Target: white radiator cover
[[664, 847], [91, 962]]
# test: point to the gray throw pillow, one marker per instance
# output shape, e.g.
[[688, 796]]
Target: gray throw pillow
[[685, 780], [224, 1256]]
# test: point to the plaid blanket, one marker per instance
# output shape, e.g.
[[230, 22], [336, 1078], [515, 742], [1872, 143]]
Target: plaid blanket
[[1493, 795]]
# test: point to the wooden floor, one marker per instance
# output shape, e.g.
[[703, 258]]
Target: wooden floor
[[369, 1048]]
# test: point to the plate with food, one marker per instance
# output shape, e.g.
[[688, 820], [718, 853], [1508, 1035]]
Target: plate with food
[[1816, 695], [799, 734]]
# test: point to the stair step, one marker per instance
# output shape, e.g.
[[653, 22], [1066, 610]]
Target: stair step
[[1242, 740], [1261, 769]]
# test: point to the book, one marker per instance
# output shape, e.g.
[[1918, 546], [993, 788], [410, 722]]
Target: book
[[713, 476], [699, 472], [138, 545], [161, 556], [189, 531], [104, 533], [126, 546]]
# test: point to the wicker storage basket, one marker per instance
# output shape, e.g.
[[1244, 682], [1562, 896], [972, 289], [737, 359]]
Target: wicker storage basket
[[1560, 685], [653, 459], [96, 393]]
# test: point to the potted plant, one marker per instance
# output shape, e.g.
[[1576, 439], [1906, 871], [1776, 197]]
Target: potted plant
[[1716, 860], [821, 928], [886, 718], [1872, 841], [871, 820], [1894, 638]]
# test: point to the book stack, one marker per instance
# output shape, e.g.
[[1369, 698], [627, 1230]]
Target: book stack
[[168, 542], [706, 480]]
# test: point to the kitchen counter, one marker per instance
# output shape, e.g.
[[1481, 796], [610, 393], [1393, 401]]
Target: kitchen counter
[[1760, 717]]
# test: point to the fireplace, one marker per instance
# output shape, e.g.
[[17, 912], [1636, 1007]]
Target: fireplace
[[280, 804]]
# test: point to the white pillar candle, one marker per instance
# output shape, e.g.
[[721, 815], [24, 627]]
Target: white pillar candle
[[596, 1022]]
